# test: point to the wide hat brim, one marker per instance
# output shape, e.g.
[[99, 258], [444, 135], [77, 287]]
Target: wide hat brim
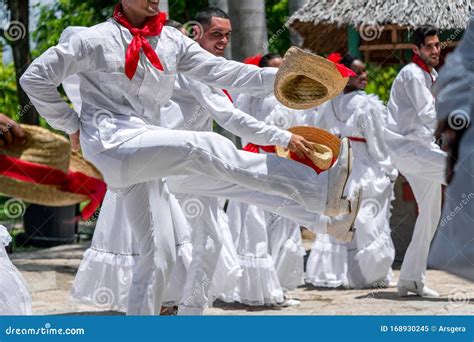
[[325, 141], [50, 149], [306, 80]]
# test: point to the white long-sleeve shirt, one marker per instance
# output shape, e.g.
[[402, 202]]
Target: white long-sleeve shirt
[[411, 110], [114, 108]]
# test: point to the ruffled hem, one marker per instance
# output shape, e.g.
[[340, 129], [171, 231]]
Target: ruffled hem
[[375, 261], [327, 263], [103, 280], [290, 265], [259, 284], [223, 286], [15, 298]]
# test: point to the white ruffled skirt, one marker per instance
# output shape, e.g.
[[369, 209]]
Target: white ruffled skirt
[[259, 284], [366, 262], [106, 271], [14, 296], [287, 251]]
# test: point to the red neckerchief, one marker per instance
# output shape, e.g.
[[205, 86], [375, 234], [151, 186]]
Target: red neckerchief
[[73, 182], [153, 27], [421, 63]]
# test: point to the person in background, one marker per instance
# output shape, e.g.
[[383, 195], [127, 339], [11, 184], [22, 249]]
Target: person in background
[[365, 262], [415, 153]]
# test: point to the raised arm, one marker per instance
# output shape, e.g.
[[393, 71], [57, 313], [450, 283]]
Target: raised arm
[[234, 120], [196, 63], [45, 74]]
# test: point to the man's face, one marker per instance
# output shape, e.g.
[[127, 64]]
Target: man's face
[[142, 8], [430, 51], [216, 36], [358, 82]]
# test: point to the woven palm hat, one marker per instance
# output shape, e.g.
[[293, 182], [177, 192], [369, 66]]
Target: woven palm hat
[[325, 148], [52, 150], [306, 80]]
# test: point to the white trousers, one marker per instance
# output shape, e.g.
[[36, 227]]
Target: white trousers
[[285, 207], [160, 153], [155, 154], [424, 168], [202, 214]]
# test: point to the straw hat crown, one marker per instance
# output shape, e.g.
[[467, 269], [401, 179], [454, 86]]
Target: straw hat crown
[[306, 80]]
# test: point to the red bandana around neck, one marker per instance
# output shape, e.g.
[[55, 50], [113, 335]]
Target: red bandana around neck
[[422, 64], [153, 27]]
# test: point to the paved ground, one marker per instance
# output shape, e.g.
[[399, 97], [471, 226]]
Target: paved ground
[[50, 274]]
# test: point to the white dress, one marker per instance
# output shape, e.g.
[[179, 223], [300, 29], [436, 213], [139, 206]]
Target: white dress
[[269, 246], [367, 261], [14, 296]]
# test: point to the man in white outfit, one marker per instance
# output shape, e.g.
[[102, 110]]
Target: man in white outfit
[[119, 134], [415, 153]]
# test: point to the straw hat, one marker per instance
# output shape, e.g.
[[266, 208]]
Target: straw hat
[[46, 148], [325, 146], [306, 80]]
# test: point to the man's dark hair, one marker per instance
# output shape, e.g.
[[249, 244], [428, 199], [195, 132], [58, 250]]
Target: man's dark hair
[[173, 23], [204, 17], [420, 34], [265, 61]]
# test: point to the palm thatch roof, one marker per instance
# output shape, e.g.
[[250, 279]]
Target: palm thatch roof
[[323, 23], [445, 14]]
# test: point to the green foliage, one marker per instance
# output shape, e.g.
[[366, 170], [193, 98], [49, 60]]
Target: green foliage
[[278, 34], [8, 96], [53, 19], [380, 81], [184, 11]]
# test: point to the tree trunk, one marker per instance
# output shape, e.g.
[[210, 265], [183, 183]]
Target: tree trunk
[[252, 35], [293, 6], [223, 5], [17, 35]]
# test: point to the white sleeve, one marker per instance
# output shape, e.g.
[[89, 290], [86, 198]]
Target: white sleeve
[[234, 120], [46, 73], [196, 63], [422, 100]]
